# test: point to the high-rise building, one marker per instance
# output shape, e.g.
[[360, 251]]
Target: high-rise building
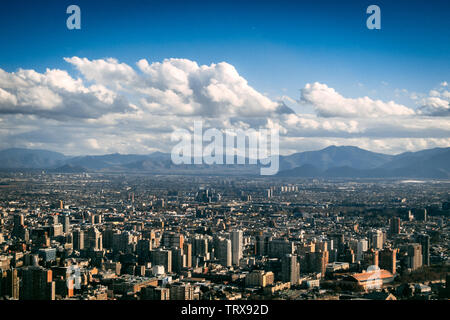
[[37, 284], [278, 248], [371, 258], [222, 251], [143, 248], [178, 260], [19, 226], [414, 256], [9, 283], [162, 257], [78, 239], [94, 239], [377, 239], [262, 245], [65, 221], [424, 241], [187, 248], [394, 226], [290, 269], [237, 246], [172, 239], [388, 260], [361, 247]]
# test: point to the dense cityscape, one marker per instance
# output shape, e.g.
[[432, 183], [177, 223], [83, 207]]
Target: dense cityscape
[[97, 236]]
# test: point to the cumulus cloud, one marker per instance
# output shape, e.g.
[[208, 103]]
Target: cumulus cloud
[[329, 103], [436, 104], [55, 94], [105, 106]]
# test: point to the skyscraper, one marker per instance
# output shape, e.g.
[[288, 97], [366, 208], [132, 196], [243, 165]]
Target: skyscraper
[[361, 247], [388, 260], [424, 241], [376, 236], [394, 226], [414, 256], [237, 246], [162, 258], [222, 250], [94, 238], [290, 269], [78, 239]]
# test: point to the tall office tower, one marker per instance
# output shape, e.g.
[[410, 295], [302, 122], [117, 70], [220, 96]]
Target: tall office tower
[[162, 257], [187, 248], [222, 251], [424, 241], [143, 248], [37, 284], [388, 260], [361, 247], [61, 204], [371, 258], [107, 237], [181, 291], [316, 262], [9, 283], [421, 215], [394, 226], [78, 239], [65, 221], [414, 256], [376, 237], [172, 239], [122, 241], [338, 241], [56, 230], [278, 248], [94, 239], [200, 246], [178, 260], [19, 225], [290, 269], [237, 246], [262, 245], [151, 235]]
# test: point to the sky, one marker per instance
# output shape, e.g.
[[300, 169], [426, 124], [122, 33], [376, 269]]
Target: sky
[[137, 70]]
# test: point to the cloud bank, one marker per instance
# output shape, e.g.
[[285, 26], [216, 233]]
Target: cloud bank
[[104, 106]]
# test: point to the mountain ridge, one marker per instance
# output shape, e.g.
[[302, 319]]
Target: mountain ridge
[[332, 161]]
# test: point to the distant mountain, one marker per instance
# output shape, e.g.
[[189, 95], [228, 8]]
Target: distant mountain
[[304, 171], [105, 161], [352, 162], [333, 156], [333, 161], [17, 158]]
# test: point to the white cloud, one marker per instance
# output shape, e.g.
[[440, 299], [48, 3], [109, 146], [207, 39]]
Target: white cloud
[[329, 103], [113, 107], [435, 106]]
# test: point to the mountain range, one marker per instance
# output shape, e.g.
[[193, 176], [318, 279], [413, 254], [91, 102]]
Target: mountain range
[[333, 161]]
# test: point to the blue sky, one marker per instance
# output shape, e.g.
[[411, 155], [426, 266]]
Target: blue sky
[[278, 46], [382, 90]]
